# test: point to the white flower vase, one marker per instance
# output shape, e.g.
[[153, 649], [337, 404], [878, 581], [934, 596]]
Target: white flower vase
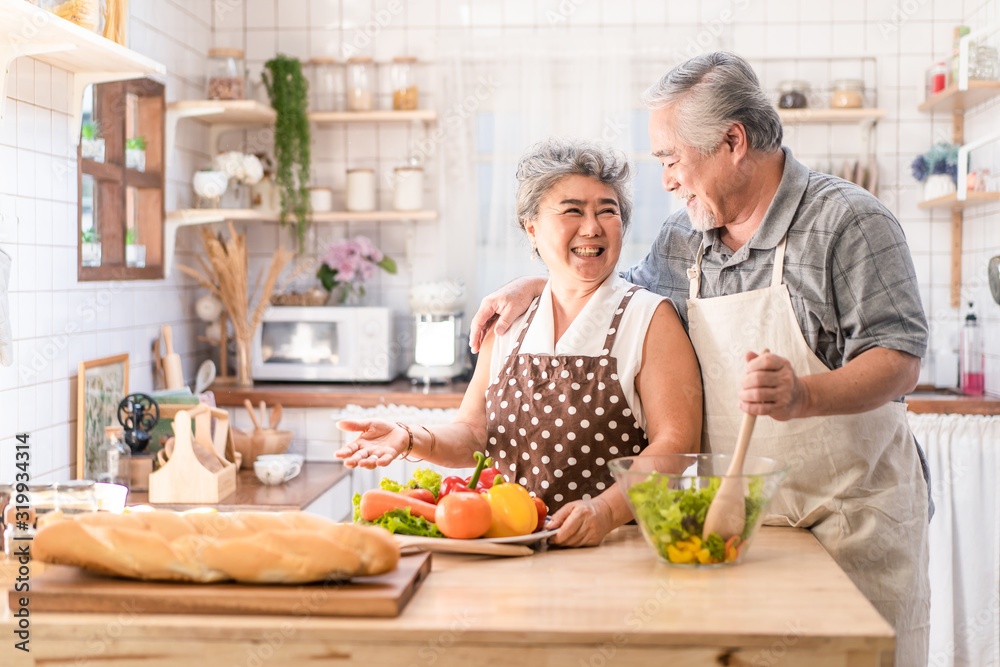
[[343, 295], [135, 158], [92, 149], [938, 185], [209, 186]]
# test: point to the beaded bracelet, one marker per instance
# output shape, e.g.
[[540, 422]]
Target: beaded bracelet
[[409, 433]]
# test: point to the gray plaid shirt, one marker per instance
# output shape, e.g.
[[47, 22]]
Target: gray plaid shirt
[[847, 266]]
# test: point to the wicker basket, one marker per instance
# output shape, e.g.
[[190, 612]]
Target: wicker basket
[[314, 297]]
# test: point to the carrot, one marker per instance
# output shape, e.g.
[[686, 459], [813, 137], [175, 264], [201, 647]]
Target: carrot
[[377, 502]]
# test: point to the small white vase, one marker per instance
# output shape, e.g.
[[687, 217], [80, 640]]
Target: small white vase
[[938, 185], [210, 186], [135, 158]]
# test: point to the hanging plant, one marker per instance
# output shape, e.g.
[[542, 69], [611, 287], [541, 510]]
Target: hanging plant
[[289, 93]]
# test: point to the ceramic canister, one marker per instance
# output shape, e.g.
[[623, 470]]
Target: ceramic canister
[[360, 189], [321, 199], [408, 189]]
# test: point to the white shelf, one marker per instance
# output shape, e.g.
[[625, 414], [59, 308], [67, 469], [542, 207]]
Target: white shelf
[[794, 116], [26, 30], [417, 115], [206, 216]]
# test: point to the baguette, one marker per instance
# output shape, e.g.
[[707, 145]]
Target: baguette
[[249, 547]]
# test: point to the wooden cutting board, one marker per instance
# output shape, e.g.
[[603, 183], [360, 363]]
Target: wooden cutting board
[[70, 589]]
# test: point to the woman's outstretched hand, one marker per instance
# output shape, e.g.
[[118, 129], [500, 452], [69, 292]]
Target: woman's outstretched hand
[[379, 443]]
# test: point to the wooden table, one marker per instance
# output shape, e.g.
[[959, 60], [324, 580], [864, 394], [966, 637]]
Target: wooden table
[[253, 495], [789, 604]]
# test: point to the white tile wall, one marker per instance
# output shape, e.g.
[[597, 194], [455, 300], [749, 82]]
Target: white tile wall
[[57, 320]]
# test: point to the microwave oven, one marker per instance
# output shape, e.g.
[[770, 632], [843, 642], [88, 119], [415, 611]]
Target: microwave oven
[[325, 344]]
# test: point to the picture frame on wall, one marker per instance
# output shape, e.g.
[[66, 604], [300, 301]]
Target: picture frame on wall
[[101, 386]]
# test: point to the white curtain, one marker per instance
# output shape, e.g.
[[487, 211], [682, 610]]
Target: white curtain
[[533, 92], [6, 337], [963, 453]]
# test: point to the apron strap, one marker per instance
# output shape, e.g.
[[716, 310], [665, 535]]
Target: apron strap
[[779, 262], [694, 273], [609, 341], [532, 309]]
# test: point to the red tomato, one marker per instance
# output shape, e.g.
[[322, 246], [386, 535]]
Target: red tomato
[[463, 516], [543, 512], [420, 494]]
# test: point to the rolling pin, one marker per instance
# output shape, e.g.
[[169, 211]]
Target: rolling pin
[[172, 362]]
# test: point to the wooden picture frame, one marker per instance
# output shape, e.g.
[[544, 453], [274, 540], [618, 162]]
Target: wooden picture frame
[[100, 386]]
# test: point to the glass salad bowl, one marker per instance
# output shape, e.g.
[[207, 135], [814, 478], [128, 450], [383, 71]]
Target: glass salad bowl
[[669, 496]]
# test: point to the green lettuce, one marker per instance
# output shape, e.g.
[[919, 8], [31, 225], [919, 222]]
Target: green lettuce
[[398, 521], [390, 485], [426, 478]]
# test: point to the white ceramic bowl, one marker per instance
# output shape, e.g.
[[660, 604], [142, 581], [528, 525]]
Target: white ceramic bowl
[[111, 497]]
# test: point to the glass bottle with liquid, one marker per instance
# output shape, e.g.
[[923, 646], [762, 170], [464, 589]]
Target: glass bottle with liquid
[[971, 356]]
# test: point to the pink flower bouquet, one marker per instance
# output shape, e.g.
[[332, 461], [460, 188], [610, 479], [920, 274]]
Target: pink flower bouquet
[[347, 264]]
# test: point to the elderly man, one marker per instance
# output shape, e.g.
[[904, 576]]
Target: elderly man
[[771, 255]]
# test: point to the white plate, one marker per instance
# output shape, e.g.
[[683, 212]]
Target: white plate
[[531, 538], [486, 546]]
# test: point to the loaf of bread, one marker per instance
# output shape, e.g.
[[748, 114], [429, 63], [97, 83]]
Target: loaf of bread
[[251, 547]]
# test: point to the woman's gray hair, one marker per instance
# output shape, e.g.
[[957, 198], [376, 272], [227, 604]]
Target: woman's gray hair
[[711, 92], [554, 159]]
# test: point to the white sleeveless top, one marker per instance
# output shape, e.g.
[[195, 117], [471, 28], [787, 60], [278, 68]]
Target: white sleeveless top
[[586, 335]]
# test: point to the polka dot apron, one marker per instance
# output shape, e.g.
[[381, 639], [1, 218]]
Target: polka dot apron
[[553, 422]]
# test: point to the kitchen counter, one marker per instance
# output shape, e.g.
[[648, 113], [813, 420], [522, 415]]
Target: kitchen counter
[[252, 495], [788, 604], [401, 392]]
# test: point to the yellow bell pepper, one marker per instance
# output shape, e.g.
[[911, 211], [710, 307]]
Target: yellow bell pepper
[[677, 555], [514, 511]]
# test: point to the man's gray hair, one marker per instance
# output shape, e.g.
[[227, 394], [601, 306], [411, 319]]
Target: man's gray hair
[[711, 92], [554, 159]]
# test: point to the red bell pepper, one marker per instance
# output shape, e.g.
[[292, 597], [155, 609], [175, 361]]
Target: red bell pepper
[[480, 481], [452, 485]]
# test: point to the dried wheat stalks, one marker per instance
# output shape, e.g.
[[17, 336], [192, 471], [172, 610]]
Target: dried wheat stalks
[[225, 275]]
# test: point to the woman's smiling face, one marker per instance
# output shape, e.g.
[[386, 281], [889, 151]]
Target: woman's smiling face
[[578, 229]]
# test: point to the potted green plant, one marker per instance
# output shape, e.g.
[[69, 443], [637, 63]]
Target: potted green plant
[[91, 143], [135, 153], [90, 248], [289, 93], [135, 253]]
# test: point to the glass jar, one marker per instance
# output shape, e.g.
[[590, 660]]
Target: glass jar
[[986, 67], [226, 74], [321, 199], [114, 458], [326, 84], [408, 188], [792, 94], [77, 496], [84, 13], [360, 72], [848, 94], [404, 84], [360, 190], [937, 78]]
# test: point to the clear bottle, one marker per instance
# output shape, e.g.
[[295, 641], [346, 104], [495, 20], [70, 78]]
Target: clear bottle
[[404, 84], [360, 72], [226, 74], [971, 356], [986, 67], [114, 458], [326, 85]]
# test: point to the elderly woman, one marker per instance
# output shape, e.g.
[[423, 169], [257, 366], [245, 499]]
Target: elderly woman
[[597, 368]]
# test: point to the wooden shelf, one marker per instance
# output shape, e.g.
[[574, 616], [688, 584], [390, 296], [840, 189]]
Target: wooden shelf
[[224, 112], [207, 216], [193, 216], [26, 30], [953, 99], [794, 116], [419, 115], [952, 202]]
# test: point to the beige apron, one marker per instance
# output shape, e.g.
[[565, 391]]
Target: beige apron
[[854, 480]]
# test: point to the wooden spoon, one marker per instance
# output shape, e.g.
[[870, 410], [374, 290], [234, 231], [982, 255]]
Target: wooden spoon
[[253, 415], [275, 415], [727, 515], [263, 413]]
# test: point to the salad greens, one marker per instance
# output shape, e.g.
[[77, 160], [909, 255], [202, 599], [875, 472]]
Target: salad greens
[[674, 519], [401, 520]]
